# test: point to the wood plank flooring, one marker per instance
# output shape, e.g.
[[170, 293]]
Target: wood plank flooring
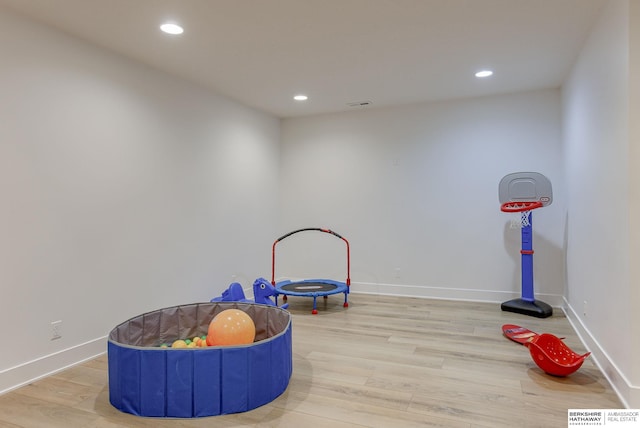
[[383, 362]]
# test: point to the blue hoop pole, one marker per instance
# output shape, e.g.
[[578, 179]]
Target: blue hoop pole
[[527, 259]]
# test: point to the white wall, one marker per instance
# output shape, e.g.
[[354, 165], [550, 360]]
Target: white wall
[[634, 195], [600, 161], [123, 190], [415, 188]]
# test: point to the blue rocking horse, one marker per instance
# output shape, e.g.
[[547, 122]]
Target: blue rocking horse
[[262, 292]]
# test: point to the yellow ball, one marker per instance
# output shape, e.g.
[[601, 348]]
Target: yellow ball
[[179, 344], [231, 327]]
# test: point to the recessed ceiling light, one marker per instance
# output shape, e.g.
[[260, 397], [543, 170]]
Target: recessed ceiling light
[[484, 73], [171, 28], [301, 97]]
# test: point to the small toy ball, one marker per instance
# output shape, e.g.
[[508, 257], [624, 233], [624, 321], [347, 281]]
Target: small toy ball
[[203, 342], [231, 327], [179, 344]]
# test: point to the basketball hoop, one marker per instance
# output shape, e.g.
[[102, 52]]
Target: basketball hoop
[[519, 206], [522, 207], [519, 193]]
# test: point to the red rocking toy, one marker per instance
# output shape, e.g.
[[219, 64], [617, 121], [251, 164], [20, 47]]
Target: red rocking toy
[[553, 356]]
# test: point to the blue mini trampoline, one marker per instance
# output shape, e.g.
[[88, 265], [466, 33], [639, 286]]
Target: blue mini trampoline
[[310, 287]]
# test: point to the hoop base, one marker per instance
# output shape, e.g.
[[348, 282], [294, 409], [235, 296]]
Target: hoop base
[[536, 308]]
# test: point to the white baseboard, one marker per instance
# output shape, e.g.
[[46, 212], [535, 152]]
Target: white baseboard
[[446, 293], [28, 372], [628, 393]]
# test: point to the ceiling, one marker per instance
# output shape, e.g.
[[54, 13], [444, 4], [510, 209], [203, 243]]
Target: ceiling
[[387, 52]]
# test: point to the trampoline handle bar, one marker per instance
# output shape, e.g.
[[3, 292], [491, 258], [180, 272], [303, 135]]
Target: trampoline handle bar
[[306, 229], [318, 229]]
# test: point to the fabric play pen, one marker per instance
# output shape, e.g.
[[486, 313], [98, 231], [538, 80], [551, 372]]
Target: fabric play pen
[[147, 380]]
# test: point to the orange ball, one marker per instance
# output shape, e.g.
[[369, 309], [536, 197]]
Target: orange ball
[[231, 327]]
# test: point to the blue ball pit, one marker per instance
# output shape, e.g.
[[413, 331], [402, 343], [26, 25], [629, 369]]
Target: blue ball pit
[[147, 380]]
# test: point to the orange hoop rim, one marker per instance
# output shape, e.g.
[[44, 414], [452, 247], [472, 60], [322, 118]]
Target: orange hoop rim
[[519, 206]]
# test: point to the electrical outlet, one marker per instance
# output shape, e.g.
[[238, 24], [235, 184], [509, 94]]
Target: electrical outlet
[[56, 330], [584, 308], [397, 273]]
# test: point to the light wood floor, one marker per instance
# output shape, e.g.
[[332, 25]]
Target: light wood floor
[[383, 362]]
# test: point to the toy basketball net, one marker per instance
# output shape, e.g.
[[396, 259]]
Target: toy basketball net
[[522, 207]]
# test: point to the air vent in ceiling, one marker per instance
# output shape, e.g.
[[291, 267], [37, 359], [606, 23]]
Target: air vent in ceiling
[[360, 104]]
